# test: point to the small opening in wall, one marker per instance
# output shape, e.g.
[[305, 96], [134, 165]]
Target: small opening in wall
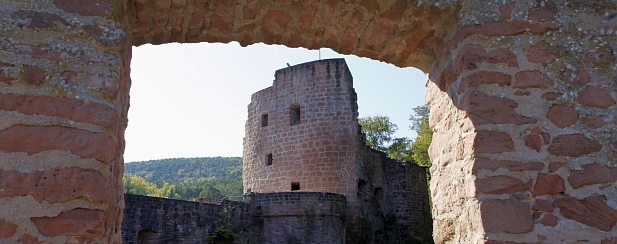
[[295, 186], [249, 190], [264, 120], [269, 159], [295, 114]]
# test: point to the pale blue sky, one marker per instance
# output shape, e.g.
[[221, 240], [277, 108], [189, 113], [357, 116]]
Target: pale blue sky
[[190, 100]]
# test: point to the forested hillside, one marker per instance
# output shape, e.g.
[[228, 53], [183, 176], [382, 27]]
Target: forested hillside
[[185, 178]]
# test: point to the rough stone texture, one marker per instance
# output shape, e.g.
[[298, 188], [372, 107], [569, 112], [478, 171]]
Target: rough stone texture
[[592, 174], [81, 50], [573, 145], [510, 216], [562, 116], [76, 222], [592, 211], [500, 185], [260, 218], [7, 229], [548, 184]]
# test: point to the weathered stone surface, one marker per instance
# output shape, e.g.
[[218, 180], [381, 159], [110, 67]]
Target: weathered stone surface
[[34, 75], [8, 73], [29, 239], [74, 109], [549, 220], [35, 139], [595, 122], [543, 11], [484, 78], [91, 7], [595, 96], [7, 229], [577, 77], [39, 19], [493, 142], [554, 166], [484, 109], [493, 165], [76, 222], [532, 79], [543, 205], [551, 95], [562, 116], [274, 26], [499, 185], [536, 138], [510, 216], [573, 145], [592, 174], [548, 184], [502, 28], [542, 52], [609, 241], [591, 211], [444, 230], [58, 185]]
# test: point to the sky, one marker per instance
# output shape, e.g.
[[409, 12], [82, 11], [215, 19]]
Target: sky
[[190, 100]]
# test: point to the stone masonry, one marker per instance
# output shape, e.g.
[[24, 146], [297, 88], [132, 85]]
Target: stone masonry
[[522, 96]]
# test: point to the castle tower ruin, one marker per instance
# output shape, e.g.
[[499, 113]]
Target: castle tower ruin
[[301, 132]]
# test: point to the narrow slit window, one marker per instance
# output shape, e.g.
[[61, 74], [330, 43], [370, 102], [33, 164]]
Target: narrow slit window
[[269, 159], [264, 120], [295, 114], [295, 186]]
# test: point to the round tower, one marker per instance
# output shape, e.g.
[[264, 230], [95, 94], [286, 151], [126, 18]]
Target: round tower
[[301, 132]]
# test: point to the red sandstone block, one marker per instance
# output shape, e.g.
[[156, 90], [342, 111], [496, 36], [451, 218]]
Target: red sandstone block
[[510, 216], [274, 25], [223, 16], [35, 19], [493, 165], [609, 241], [492, 142], [549, 220], [7, 229], [573, 145], [551, 95], [34, 75], [592, 174], [543, 205], [594, 96], [28, 239], [595, 122], [554, 166], [505, 11], [548, 184], [542, 52], [532, 79], [503, 28], [484, 109], [499, 185], [35, 139], [562, 116], [58, 185], [76, 222], [74, 109], [484, 78], [592, 211]]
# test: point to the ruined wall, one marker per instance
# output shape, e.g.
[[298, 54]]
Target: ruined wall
[[64, 80], [318, 151], [523, 106], [291, 217]]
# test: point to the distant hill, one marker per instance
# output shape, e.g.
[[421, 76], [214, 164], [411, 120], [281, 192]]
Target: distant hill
[[176, 170], [185, 178]]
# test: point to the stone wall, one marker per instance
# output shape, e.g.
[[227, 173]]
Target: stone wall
[[291, 217]]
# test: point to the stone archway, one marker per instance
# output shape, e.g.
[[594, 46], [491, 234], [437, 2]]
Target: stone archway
[[522, 96]]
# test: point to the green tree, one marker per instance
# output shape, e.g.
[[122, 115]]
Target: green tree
[[379, 130], [419, 147]]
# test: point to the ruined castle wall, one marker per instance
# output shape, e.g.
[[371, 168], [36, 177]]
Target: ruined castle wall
[[523, 105], [288, 217], [318, 151], [299, 217]]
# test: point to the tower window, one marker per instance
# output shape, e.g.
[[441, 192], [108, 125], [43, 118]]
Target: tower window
[[295, 114], [264, 120], [269, 159], [295, 186]]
